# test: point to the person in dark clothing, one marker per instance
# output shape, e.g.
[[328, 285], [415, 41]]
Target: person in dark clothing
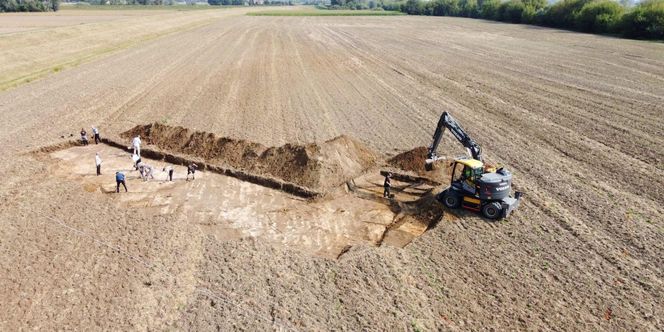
[[120, 179], [191, 169], [169, 169], [84, 137], [387, 185]]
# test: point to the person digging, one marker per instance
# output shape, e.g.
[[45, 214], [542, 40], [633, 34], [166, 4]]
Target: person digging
[[120, 180], [387, 185], [84, 137], [191, 169]]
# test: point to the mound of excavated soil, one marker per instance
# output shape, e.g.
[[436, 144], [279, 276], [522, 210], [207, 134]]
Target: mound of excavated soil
[[414, 161], [411, 160], [316, 166]]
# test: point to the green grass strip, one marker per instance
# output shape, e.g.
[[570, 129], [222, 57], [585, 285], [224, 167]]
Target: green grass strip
[[325, 12]]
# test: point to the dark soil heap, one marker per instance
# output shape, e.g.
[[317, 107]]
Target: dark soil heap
[[316, 166], [411, 160]]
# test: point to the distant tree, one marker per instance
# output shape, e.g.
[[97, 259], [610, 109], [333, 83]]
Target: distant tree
[[535, 4], [511, 11], [469, 8], [412, 7], [451, 7], [600, 16], [489, 9], [530, 15], [645, 20], [563, 13]]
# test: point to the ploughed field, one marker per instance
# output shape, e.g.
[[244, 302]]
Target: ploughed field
[[578, 119]]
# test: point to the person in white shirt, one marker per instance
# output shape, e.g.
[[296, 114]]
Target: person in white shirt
[[136, 159], [136, 143], [98, 163], [95, 132]]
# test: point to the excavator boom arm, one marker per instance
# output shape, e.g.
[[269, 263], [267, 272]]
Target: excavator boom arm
[[447, 121]]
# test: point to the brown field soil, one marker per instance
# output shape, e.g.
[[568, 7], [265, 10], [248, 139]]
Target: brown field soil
[[34, 45], [577, 118]]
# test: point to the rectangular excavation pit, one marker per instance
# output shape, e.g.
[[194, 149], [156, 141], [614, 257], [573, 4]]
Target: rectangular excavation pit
[[228, 208]]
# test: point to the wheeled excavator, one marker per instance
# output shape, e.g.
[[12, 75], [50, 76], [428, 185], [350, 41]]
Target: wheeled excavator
[[474, 185]]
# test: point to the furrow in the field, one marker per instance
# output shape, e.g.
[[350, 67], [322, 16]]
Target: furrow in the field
[[548, 65], [614, 132], [605, 139], [379, 77], [371, 103], [170, 96], [541, 71], [598, 70], [497, 145], [71, 45], [553, 175]]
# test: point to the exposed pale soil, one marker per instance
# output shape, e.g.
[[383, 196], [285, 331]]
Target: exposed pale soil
[[230, 209]]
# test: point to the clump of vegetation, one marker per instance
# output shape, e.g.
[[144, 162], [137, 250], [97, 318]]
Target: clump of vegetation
[[600, 16], [29, 5], [646, 20]]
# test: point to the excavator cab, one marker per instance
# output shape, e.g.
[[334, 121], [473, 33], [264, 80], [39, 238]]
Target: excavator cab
[[465, 174]]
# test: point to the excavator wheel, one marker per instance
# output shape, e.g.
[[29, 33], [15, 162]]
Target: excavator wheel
[[451, 201], [492, 210]]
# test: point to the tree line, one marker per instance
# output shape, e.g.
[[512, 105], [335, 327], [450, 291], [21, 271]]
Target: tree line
[[643, 20], [250, 2], [29, 5]]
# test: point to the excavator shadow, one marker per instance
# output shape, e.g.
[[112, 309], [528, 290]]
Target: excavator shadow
[[412, 201]]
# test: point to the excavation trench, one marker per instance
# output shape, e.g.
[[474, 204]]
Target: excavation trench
[[258, 179], [324, 218]]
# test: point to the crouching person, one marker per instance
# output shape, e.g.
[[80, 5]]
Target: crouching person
[[191, 169], [120, 180]]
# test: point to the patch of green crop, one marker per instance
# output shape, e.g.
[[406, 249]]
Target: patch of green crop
[[324, 12]]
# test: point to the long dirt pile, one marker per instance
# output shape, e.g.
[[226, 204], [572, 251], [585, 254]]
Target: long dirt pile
[[317, 166]]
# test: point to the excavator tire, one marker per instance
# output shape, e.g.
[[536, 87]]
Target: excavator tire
[[451, 201], [492, 210]]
